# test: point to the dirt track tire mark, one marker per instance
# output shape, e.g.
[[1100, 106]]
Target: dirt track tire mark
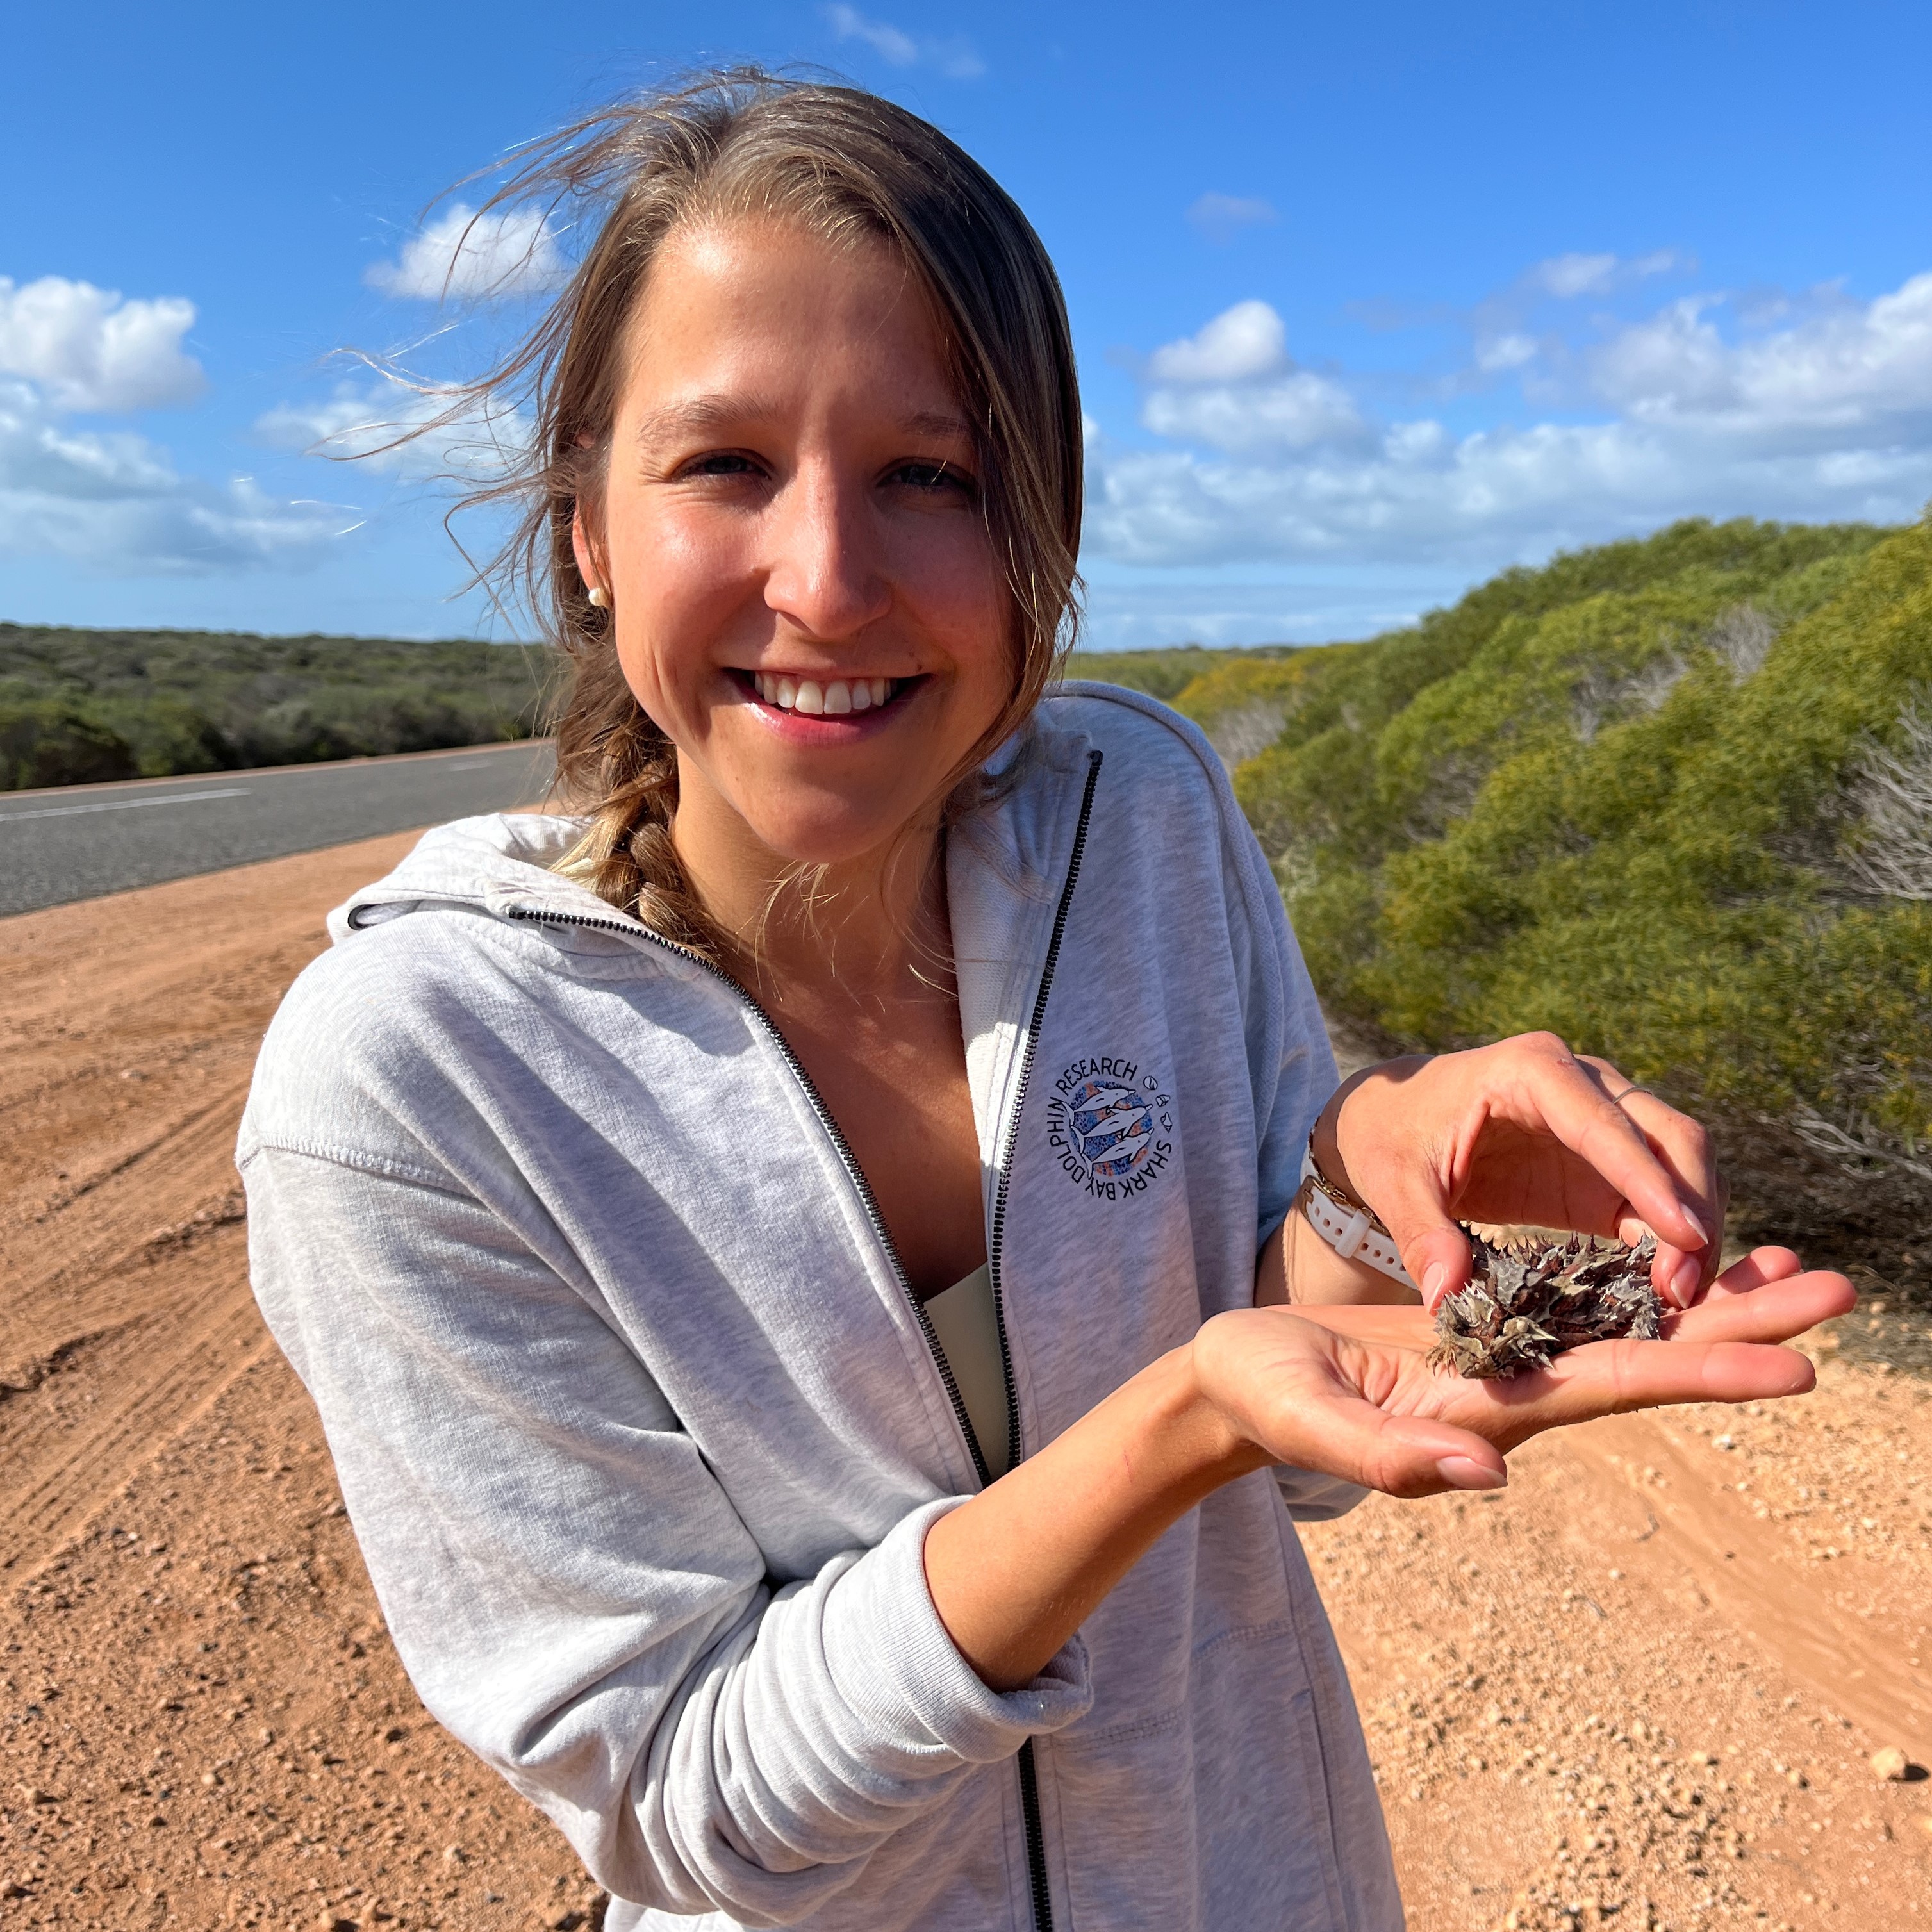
[[124, 1061], [80, 1433], [1796, 1610], [83, 1263]]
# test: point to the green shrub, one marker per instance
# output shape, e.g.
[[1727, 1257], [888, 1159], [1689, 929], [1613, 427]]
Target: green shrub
[[1614, 799], [193, 701], [43, 742], [167, 735], [1245, 704], [1165, 673]]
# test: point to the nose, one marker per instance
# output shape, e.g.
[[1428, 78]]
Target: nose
[[825, 568]]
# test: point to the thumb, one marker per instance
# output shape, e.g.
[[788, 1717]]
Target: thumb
[[1435, 1250], [1404, 1455]]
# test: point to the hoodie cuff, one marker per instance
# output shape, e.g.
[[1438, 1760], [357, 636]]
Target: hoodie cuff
[[893, 1660], [1311, 1497]]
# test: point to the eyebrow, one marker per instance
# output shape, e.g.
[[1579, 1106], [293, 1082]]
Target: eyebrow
[[702, 415]]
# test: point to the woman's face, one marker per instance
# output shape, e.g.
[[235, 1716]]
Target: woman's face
[[804, 595]]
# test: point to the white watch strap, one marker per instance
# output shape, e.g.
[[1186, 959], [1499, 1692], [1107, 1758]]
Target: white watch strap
[[1353, 1235]]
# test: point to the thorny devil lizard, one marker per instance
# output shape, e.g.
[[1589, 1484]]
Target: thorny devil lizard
[[1529, 1301]]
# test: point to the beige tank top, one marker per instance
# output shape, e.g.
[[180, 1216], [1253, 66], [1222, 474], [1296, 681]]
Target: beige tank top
[[968, 1330]]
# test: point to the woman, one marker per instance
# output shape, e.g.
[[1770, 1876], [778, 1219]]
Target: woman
[[796, 1260]]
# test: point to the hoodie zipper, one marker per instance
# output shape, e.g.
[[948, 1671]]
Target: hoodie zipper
[[1035, 1835], [1036, 1839], [855, 1174]]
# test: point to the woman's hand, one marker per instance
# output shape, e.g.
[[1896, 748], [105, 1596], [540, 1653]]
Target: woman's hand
[[1525, 1131], [1347, 1390]]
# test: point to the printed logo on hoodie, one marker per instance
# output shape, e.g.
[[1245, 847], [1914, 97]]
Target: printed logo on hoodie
[[1107, 1126]]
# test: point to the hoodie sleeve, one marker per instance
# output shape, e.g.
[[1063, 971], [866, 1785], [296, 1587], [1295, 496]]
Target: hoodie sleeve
[[569, 1588], [1292, 1064]]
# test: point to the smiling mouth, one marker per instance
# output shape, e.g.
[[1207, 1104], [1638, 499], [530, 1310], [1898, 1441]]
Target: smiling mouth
[[824, 697]]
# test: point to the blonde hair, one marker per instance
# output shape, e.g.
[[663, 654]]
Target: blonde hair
[[849, 166]]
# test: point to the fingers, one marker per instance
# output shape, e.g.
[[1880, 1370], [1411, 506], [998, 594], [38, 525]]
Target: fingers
[[1346, 1389], [1613, 1378], [1400, 1455], [1684, 1148], [1437, 1257], [1309, 1393], [1761, 1266], [1601, 1378], [1774, 1312], [1526, 1131], [1765, 1298], [1577, 1103], [1656, 1373]]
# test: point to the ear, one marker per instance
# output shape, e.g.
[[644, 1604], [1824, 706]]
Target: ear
[[588, 551]]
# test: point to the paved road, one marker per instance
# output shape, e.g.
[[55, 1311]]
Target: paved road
[[86, 840]]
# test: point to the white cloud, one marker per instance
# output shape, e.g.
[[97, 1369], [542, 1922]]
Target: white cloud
[[1567, 277], [1503, 343], [1247, 340], [365, 424], [1484, 500], [114, 503], [1828, 415], [887, 42], [1295, 411], [87, 348], [1512, 350], [1853, 371], [1233, 387], [1658, 262], [954, 56], [1221, 217], [465, 257]]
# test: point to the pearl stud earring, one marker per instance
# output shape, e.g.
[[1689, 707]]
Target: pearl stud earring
[[599, 597]]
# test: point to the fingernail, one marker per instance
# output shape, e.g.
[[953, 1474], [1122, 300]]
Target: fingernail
[[1684, 1281], [1462, 1472], [1703, 1237], [1432, 1282]]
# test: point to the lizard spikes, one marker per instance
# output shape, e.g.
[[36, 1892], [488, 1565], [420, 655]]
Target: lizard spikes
[[1529, 1301]]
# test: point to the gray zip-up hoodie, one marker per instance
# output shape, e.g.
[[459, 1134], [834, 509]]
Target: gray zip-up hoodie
[[641, 1432]]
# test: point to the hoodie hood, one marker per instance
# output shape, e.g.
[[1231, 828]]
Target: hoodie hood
[[492, 864]]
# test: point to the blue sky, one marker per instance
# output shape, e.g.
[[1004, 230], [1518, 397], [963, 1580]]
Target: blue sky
[[1370, 301]]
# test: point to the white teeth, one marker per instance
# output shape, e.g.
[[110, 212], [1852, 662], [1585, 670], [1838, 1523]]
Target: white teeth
[[834, 698]]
